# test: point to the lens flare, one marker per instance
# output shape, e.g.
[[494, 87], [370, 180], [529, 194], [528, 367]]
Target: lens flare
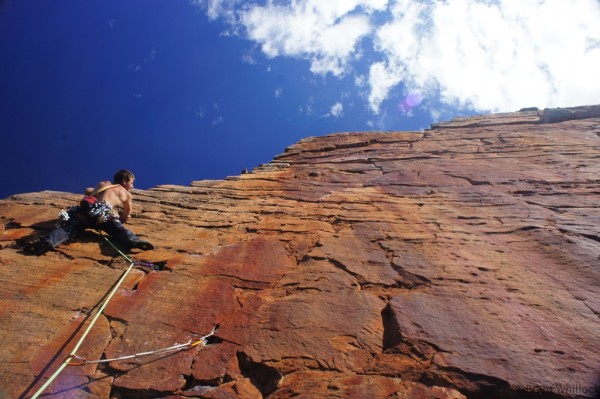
[[413, 99], [409, 102]]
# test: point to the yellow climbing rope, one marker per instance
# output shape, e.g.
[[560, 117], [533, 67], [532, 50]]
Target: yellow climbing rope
[[74, 360], [89, 328]]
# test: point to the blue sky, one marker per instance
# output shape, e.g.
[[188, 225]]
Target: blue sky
[[180, 90]]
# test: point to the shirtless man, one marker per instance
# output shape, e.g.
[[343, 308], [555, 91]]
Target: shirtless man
[[106, 208], [118, 196]]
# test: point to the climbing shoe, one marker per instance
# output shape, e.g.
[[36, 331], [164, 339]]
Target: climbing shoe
[[143, 245], [37, 247]]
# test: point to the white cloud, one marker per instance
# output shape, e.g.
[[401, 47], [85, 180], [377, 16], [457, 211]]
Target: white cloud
[[337, 110], [381, 80], [200, 112], [491, 56], [278, 92], [217, 121], [249, 58], [218, 8], [308, 108], [151, 57], [324, 32], [475, 54]]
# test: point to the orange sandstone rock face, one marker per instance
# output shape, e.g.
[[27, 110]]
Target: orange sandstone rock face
[[457, 262]]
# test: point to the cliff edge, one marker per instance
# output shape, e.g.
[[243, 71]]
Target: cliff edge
[[458, 262]]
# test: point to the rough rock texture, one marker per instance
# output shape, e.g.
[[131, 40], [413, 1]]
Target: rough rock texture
[[462, 261]]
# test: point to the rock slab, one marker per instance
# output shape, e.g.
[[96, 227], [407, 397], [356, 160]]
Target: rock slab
[[457, 262]]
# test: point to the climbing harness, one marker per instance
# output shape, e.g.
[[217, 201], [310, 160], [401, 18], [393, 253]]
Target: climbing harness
[[97, 210], [102, 212], [74, 360]]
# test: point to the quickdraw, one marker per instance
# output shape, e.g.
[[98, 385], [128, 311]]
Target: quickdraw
[[76, 360], [153, 266]]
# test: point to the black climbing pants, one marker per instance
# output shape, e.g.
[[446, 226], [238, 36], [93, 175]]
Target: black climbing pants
[[79, 221]]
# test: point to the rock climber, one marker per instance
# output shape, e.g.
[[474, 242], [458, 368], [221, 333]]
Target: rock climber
[[106, 208]]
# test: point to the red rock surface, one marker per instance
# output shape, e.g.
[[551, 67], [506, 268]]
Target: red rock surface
[[457, 262]]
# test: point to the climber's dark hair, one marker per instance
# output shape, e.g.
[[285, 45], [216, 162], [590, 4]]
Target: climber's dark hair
[[122, 176]]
